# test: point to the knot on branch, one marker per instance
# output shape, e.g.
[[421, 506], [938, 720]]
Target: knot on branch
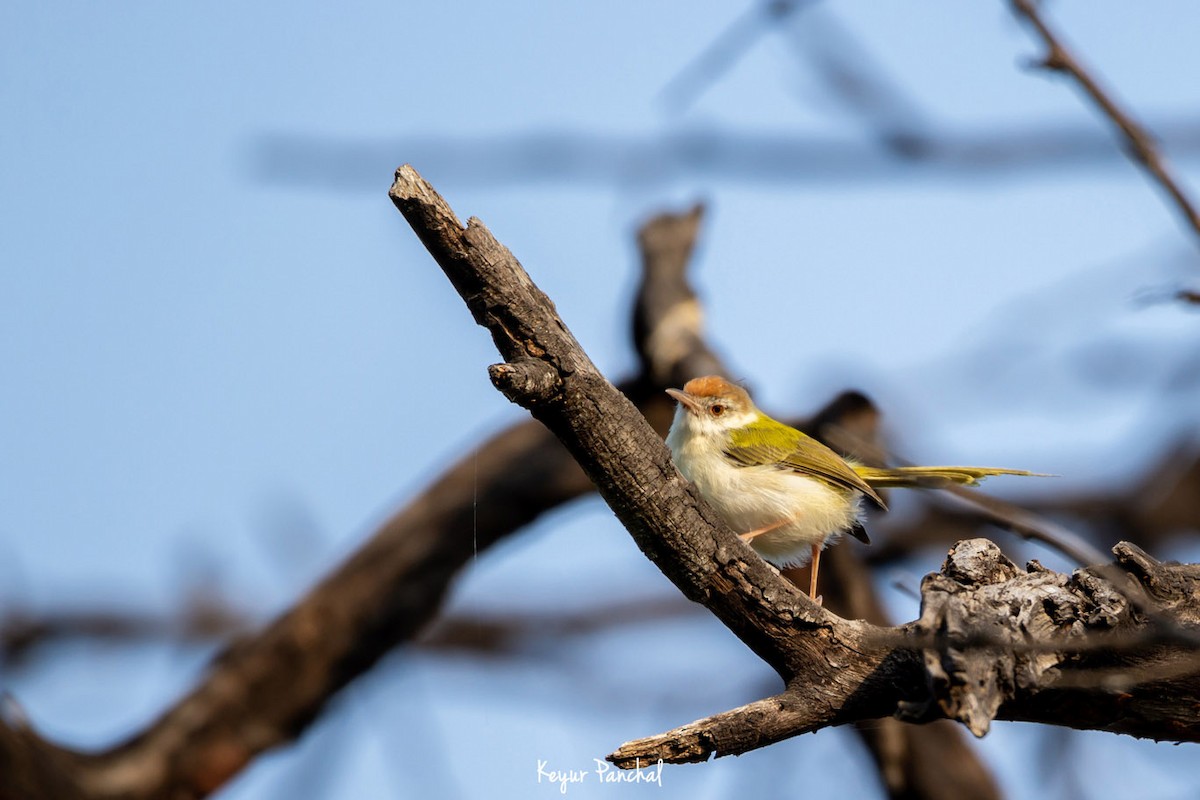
[[978, 562], [526, 381], [1174, 587], [1095, 649], [988, 621]]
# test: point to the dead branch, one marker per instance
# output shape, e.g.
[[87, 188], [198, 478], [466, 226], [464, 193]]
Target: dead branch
[[1122, 690]]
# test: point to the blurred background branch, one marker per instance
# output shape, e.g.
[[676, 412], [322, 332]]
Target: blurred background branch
[[579, 158]]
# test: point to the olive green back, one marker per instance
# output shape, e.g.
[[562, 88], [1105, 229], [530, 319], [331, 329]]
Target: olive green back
[[766, 441]]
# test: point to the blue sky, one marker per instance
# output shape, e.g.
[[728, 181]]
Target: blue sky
[[219, 373]]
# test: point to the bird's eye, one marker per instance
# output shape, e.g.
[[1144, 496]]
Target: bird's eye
[[716, 409]]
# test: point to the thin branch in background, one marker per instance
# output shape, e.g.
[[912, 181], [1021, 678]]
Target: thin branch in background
[[589, 158], [850, 74], [1030, 526], [906, 584], [204, 618], [1139, 142], [720, 54], [854, 78]]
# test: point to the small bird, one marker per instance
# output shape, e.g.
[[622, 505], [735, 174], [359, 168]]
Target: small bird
[[785, 493]]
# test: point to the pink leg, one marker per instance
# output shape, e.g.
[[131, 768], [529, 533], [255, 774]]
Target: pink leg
[[754, 534], [812, 581]]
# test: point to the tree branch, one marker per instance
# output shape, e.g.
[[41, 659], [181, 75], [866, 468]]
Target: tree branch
[[997, 643]]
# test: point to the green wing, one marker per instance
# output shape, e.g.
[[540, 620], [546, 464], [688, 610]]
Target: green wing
[[766, 441]]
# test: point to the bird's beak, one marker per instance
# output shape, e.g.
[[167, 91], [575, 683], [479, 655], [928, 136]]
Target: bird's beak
[[686, 400]]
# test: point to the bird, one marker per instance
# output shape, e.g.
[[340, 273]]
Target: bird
[[785, 494]]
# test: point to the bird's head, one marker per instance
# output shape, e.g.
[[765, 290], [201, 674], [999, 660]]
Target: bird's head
[[712, 405]]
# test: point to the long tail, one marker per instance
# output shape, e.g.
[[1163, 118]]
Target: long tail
[[933, 477]]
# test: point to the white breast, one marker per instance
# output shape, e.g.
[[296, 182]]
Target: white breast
[[750, 498]]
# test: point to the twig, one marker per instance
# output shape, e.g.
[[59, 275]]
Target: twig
[[1139, 142]]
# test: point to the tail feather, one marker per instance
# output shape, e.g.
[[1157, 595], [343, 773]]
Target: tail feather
[[933, 477]]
